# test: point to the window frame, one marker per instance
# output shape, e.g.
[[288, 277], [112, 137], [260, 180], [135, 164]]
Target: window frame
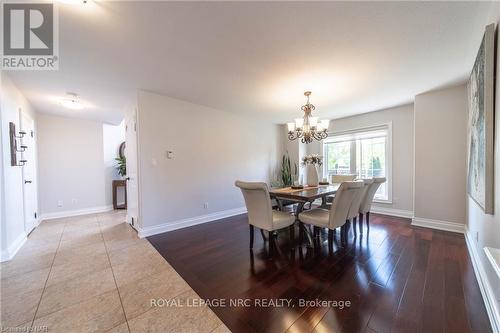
[[353, 155]]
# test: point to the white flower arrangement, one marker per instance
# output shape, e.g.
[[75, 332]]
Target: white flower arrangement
[[312, 159]]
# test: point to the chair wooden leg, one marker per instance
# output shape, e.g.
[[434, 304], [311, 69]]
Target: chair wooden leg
[[301, 233], [317, 231], [330, 238], [354, 219], [251, 236], [367, 220], [292, 234], [263, 235], [343, 234], [271, 244], [360, 223]]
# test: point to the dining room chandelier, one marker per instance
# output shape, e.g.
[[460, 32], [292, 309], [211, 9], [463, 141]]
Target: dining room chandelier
[[308, 128]]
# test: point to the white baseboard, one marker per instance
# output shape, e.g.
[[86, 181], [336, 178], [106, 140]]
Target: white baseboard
[[11, 251], [174, 225], [392, 211], [437, 224], [489, 298], [69, 213]]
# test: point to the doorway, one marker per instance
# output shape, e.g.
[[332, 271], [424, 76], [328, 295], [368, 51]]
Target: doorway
[[131, 157]]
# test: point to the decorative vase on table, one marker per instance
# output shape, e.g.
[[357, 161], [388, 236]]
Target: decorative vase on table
[[311, 162], [312, 175]]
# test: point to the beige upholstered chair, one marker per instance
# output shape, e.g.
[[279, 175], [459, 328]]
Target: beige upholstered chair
[[366, 204], [336, 216], [261, 214], [337, 179], [356, 203]]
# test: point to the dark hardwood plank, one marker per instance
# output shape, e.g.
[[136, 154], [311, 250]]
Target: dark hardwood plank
[[386, 310], [398, 278]]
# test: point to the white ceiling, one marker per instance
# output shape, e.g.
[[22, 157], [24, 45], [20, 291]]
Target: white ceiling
[[257, 58]]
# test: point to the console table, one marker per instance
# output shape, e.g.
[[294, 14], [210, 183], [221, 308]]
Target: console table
[[116, 185]]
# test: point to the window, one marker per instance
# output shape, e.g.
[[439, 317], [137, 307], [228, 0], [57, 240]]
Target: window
[[364, 152]]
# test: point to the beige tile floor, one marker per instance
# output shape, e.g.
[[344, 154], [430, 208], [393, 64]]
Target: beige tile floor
[[93, 274]]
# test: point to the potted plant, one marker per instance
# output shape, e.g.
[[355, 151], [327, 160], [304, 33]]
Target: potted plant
[[121, 166], [287, 176], [311, 162]]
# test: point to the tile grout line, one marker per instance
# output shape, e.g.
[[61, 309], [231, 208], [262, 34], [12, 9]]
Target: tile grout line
[[101, 225], [217, 326], [170, 298], [114, 278], [81, 301], [48, 275]]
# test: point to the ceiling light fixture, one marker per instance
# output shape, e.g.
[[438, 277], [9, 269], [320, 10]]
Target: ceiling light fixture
[[72, 102], [308, 128], [73, 2]]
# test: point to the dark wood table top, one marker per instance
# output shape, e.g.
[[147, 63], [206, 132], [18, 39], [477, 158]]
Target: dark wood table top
[[308, 193]]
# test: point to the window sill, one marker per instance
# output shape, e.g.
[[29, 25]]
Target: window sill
[[493, 256]]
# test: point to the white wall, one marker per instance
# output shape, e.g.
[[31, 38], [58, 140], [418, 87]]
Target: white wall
[[3, 214], [440, 155], [12, 227], [402, 149], [484, 229], [70, 160], [112, 137], [211, 149]]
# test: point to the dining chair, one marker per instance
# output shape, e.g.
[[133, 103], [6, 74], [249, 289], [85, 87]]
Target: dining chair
[[261, 214], [337, 179], [366, 203], [352, 215], [336, 216]]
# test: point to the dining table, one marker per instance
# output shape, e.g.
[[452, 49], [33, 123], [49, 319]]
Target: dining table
[[302, 196]]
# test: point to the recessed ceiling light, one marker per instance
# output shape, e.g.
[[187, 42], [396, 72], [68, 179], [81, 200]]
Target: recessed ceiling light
[[72, 102]]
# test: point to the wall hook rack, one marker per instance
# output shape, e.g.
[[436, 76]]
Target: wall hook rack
[[22, 150], [21, 135], [13, 144]]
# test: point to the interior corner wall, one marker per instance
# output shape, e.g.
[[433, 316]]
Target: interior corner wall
[[293, 148], [440, 155], [70, 162], [211, 149], [12, 227]]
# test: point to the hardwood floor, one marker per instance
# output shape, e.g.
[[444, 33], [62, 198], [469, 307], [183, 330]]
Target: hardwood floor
[[397, 277]]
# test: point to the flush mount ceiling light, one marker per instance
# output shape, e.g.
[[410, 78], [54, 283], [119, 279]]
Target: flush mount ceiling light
[[73, 2], [72, 102], [308, 128]]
